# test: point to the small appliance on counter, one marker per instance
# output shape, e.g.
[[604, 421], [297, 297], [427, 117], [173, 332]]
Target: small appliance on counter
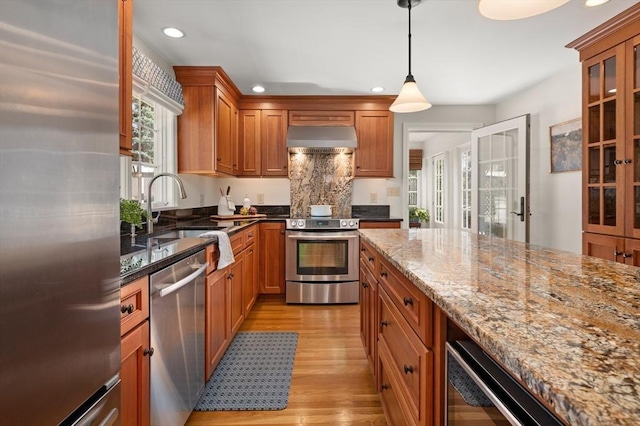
[[226, 206]]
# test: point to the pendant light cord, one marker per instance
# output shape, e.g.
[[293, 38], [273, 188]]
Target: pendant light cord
[[409, 7]]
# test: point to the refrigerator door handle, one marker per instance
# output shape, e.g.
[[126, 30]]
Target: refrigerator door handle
[[186, 280]]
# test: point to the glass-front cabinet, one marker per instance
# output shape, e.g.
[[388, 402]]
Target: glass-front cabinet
[[632, 157]]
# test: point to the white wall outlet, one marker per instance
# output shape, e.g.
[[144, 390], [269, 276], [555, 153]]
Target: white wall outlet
[[373, 197], [201, 200], [260, 198], [393, 191]]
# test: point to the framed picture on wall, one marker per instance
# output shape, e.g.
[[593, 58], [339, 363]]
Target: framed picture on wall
[[566, 146]]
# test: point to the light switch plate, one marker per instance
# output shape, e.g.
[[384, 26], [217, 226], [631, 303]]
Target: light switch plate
[[260, 198], [373, 197]]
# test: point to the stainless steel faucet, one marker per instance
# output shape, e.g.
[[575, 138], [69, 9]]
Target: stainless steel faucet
[[183, 195]]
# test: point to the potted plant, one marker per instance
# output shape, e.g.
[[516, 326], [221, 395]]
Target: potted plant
[[418, 215], [132, 212]]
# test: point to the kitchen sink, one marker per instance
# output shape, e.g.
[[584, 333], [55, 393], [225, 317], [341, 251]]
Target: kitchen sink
[[185, 233]]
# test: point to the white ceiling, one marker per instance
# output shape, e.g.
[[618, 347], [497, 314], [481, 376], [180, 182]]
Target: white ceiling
[[345, 47]]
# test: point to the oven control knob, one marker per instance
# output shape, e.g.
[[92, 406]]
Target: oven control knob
[[343, 224], [301, 223], [293, 223], [351, 224]]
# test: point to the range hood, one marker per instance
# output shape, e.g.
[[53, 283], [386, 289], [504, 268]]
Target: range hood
[[321, 139]]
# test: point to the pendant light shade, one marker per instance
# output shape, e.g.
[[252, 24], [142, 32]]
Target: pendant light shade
[[410, 99], [504, 10]]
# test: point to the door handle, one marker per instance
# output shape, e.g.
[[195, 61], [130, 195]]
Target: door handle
[[521, 213]]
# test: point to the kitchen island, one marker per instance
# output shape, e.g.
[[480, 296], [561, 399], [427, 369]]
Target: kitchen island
[[566, 326]]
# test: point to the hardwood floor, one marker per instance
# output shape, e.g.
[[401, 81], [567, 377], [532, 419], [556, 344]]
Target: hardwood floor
[[331, 384]]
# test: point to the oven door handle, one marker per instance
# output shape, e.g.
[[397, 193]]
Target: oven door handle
[[315, 236]]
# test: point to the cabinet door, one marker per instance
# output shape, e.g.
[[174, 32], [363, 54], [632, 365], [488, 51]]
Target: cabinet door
[[272, 251], [603, 142], [250, 285], [275, 158], [321, 118], [125, 46], [224, 125], [195, 131], [134, 376], [249, 143], [374, 224], [603, 246], [632, 155], [216, 322], [364, 310], [234, 281], [632, 252], [374, 155]]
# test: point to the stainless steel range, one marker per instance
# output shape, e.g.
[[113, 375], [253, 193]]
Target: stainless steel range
[[322, 260]]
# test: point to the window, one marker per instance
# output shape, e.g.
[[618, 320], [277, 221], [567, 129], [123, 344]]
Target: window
[[153, 146], [414, 187], [438, 188], [465, 189]]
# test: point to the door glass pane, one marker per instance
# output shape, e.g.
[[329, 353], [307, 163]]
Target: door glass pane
[[594, 206], [609, 175], [636, 65], [636, 113], [594, 164], [484, 148], [497, 146], [610, 77], [609, 121], [594, 123], [594, 83], [636, 220], [636, 160], [610, 206]]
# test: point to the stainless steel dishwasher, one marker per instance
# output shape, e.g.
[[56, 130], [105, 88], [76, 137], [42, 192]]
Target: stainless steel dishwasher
[[177, 339]]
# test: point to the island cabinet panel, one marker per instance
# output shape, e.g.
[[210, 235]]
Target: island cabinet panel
[[321, 118], [611, 131], [275, 157], [369, 315], [125, 84], [272, 247], [392, 403], [135, 353], [374, 154], [369, 224]]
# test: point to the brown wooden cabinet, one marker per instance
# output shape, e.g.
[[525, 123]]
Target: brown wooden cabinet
[[372, 224], [321, 118], [369, 268], [251, 283], [272, 252], [207, 128], [617, 249], [135, 353], [249, 143], [125, 53], [273, 143], [611, 134], [374, 154], [217, 337]]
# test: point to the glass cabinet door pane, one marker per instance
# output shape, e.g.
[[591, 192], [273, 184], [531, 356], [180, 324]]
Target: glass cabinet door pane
[[636, 113], [594, 164], [636, 66], [594, 83], [609, 175], [610, 77], [609, 122], [636, 221], [594, 206], [610, 206], [594, 123]]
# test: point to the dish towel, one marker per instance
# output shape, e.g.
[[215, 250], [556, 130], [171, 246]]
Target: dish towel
[[224, 245]]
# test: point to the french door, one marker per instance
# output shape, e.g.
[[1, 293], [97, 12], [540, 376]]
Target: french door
[[500, 182]]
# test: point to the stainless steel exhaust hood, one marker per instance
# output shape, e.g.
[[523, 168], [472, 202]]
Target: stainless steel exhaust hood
[[321, 139]]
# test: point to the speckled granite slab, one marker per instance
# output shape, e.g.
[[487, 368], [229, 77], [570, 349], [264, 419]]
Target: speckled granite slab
[[566, 325]]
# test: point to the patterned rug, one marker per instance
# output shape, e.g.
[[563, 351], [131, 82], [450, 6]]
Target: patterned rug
[[254, 374], [465, 385]]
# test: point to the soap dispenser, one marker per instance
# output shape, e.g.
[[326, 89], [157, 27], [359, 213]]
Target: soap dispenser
[[246, 203]]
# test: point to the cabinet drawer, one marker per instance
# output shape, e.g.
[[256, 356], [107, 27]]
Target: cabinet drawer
[[237, 242], [134, 304], [410, 361], [250, 235], [322, 118], [369, 257], [414, 305], [211, 254], [391, 401]]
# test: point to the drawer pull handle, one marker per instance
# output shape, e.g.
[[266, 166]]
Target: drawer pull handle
[[627, 255], [363, 249], [365, 284], [384, 323], [230, 277], [127, 309], [148, 352], [385, 386], [371, 259], [617, 162], [408, 301], [408, 369], [617, 253], [383, 274], [627, 161]]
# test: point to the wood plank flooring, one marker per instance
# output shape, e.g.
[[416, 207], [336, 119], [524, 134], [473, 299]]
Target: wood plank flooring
[[331, 384]]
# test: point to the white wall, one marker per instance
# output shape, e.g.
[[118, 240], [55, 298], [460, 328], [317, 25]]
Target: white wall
[[556, 199]]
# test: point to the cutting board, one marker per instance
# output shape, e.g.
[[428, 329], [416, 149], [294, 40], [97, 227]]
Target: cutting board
[[238, 216]]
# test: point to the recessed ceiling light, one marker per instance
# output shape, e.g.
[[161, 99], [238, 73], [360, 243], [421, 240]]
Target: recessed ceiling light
[[377, 89], [258, 89], [592, 3], [173, 32]]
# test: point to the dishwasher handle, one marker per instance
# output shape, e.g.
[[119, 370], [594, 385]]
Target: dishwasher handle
[[186, 280]]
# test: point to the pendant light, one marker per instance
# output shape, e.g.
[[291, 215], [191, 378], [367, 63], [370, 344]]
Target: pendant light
[[410, 99]]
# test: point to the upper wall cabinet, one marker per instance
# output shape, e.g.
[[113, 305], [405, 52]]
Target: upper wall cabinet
[[374, 154], [262, 143], [321, 118], [208, 126], [610, 56], [125, 49]]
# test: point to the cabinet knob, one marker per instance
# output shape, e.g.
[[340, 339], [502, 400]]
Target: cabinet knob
[[218, 159], [365, 285], [384, 323], [385, 386], [617, 253], [627, 255], [408, 369], [371, 259], [408, 301], [363, 249], [383, 274], [627, 161], [127, 309], [617, 162], [148, 352]]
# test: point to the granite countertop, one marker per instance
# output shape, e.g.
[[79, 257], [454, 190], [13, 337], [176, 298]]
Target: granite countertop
[[566, 325]]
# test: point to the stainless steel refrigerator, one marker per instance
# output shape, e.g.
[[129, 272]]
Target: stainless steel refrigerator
[[59, 212]]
